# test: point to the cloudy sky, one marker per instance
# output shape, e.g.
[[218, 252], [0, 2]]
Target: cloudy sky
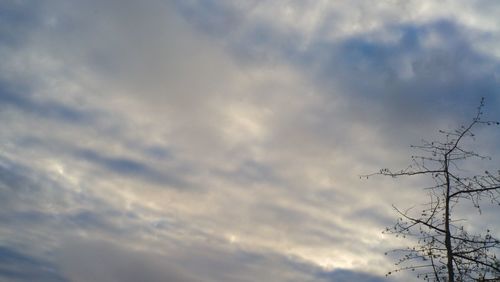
[[220, 140]]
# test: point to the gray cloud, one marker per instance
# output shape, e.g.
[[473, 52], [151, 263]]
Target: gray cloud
[[99, 261], [129, 167], [398, 67], [16, 266], [21, 100], [346, 275], [270, 110], [104, 261], [18, 19]]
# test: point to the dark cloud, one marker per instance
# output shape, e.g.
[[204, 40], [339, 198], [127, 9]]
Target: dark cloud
[[251, 171], [21, 98], [133, 168], [343, 275], [451, 75], [18, 267], [157, 152], [33, 201], [90, 260], [405, 88], [371, 215], [18, 19], [21, 187], [216, 18], [100, 261]]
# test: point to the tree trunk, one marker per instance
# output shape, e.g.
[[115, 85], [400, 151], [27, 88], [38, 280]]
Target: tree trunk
[[447, 241]]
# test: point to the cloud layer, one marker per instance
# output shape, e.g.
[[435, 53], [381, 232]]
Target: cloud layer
[[223, 141]]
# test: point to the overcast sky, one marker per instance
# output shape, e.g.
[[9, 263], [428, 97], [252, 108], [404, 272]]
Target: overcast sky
[[221, 140]]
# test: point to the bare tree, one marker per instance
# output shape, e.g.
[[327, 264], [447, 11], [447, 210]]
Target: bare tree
[[444, 249]]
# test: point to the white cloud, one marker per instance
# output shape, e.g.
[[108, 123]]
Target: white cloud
[[228, 126]]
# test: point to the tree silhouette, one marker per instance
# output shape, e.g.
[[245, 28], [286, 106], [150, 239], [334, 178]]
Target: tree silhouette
[[444, 249]]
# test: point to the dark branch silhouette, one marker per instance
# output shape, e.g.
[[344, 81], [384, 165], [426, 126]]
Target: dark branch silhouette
[[444, 249]]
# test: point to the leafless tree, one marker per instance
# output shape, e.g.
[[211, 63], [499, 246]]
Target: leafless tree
[[444, 249]]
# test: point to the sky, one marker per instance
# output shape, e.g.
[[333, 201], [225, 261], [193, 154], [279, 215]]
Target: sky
[[223, 141]]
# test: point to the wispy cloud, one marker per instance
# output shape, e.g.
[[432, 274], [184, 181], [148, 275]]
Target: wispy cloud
[[220, 140]]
